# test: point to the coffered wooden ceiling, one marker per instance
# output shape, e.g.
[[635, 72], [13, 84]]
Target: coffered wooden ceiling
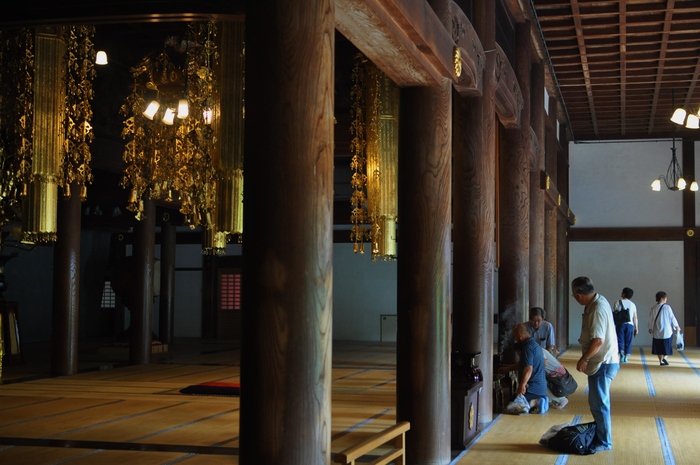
[[620, 64]]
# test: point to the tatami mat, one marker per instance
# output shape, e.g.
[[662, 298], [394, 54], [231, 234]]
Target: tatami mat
[[137, 415]]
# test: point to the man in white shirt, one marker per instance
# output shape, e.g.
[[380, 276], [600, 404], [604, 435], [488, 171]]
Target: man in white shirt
[[600, 359]]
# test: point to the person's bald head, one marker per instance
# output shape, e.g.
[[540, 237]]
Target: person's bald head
[[520, 333]]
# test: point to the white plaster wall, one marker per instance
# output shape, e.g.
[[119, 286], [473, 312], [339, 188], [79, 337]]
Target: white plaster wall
[[645, 267], [610, 184], [362, 291], [609, 188]]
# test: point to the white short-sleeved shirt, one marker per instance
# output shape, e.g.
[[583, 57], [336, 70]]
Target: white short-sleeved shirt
[[598, 322], [629, 305]]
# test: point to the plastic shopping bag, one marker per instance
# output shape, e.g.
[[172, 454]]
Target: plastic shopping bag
[[519, 406]]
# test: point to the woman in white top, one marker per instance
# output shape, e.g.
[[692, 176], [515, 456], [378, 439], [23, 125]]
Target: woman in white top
[[662, 324], [625, 313]]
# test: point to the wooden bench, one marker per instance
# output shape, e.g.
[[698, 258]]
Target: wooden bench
[[397, 433]]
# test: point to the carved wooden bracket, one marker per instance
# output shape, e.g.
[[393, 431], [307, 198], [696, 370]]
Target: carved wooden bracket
[[409, 43], [473, 59], [508, 98]]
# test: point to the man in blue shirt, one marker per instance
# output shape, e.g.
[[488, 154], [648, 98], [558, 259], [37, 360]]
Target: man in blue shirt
[[531, 375]]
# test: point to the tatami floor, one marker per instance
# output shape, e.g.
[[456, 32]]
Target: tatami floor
[[135, 414]]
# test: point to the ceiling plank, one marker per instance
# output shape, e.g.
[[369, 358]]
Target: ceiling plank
[[584, 61], [662, 61]]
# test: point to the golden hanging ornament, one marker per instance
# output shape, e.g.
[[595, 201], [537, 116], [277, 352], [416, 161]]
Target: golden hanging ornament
[[172, 161], [375, 113]]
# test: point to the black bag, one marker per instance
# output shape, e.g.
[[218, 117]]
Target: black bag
[[562, 385], [622, 316], [574, 439]]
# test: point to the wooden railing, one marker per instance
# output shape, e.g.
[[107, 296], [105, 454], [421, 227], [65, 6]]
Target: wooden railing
[[396, 433]]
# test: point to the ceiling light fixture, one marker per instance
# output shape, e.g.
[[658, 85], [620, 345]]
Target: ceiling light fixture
[[682, 118], [101, 58], [674, 175]]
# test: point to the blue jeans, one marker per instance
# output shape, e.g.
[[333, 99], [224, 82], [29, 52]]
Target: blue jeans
[[625, 333], [599, 402]]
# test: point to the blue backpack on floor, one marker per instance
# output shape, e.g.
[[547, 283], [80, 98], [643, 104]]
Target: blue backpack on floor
[[574, 439]]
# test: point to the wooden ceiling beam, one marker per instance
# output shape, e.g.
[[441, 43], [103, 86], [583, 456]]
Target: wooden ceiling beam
[[662, 60], [584, 62], [407, 41]]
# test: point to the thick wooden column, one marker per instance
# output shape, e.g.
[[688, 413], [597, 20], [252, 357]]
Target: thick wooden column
[[142, 311], [288, 221], [167, 281], [474, 216], [561, 156], [550, 272], [690, 266], [514, 203], [563, 288], [66, 287], [537, 198], [423, 274]]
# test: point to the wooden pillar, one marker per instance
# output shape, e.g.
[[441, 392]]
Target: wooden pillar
[[514, 203], [142, 311], [537, 198], [563, 281], [423, 273], [66, 287], [561, 167], [690, 314], [167, 281], [550, 272], [288, 221], [474, 213]]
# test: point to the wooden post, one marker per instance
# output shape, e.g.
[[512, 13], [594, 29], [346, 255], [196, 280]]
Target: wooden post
[[66, 287], [474, 213], [514, 203], [142, 312], [537, 198], [423, 274], [288, 222], [167, 281]]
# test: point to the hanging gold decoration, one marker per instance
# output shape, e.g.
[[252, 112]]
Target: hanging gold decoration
[[16, 120], [376, 135], [358, 164], [39, 212], [173, 161], [45, 117], [228, 153], [80, 72]]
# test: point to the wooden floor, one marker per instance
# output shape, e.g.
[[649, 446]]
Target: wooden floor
[[112, 414]]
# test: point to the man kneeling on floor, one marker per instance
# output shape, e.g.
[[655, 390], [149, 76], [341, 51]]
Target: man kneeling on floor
[[531, 376]]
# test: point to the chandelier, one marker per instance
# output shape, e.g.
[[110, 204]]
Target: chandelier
[[375, 125], [168, 127], [674, 175]]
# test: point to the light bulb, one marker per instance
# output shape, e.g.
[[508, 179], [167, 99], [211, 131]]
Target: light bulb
[[656, 185], [151, 110], [678, 116], [694, 186], [207, 116], [693, 122], [169, 116], [681, 183], [101, 58], [183, 108]]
